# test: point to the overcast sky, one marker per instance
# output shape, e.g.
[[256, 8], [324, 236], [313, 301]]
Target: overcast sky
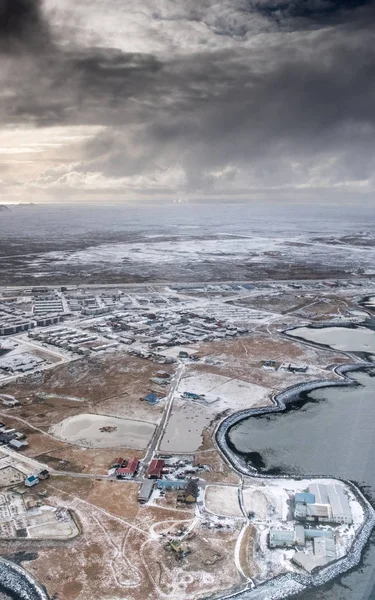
[[123, 100]]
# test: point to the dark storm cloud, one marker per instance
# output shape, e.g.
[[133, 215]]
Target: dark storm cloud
[[299, 104], [255, 108], [309, 9], [236, 18], [22, 25]]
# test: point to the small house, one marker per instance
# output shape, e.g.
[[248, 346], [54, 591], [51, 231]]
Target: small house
[[191, 492], [163, 374], [151, 398], [129, 471], [31, 480], [18, 444], [155, 469]]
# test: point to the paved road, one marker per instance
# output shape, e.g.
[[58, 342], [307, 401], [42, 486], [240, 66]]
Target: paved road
[[191, 284], [159, 431]]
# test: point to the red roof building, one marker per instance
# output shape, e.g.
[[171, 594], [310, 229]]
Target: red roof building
[[155, 469], [129, 470]]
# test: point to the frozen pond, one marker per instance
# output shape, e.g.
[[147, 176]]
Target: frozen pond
[[359, 339], [100, 431]]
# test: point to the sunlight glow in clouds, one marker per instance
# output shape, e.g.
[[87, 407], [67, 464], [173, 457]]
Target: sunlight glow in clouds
[[217, 99]]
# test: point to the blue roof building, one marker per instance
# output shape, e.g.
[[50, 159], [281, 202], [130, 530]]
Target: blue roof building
[[31, 480], [151, 398], [171, 484], [305, 498]]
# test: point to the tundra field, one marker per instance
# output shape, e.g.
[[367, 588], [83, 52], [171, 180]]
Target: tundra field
[[78, 413]]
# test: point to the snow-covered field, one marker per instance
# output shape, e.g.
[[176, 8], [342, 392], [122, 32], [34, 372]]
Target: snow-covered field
[[176, 250], [189, 417], [270, 501], [360, 339], [223, 501], [222, 393], [267, 501], [88, 430], [185, 427]]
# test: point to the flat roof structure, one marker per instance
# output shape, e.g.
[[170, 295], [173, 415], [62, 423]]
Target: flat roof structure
[[299, 535], [300, 510], [319, 490], [305, 497], [171, 484], [281, 538], [339, 503], [325, 547], [145, 491], [321, 511]]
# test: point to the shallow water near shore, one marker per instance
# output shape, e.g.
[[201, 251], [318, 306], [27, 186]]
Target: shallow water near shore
[[331, 434], [358, 339]]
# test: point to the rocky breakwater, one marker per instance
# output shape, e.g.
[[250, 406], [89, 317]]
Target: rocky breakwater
[[19, 584], [290, 583]]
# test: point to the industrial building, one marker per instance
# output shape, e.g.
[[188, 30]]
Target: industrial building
[[335, 496], [324, 553], [145, 491], [280, 538], [323, 503]]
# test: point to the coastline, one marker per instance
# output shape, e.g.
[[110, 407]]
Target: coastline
[[18, 583], [285, 585]]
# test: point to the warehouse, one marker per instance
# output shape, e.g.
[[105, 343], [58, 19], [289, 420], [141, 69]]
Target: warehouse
[[324, 503], [281, 539], [319, 491], [324, 553], [145, 491], [334, 495]]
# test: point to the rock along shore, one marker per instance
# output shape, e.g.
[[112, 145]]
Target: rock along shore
[[291, 583], [18, 583]]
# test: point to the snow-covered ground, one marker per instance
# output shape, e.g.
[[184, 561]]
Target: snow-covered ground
[[270, 500], [101, 431], [360, 339], [223, 501], [176, 250], [185, 426], [222, 393]]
